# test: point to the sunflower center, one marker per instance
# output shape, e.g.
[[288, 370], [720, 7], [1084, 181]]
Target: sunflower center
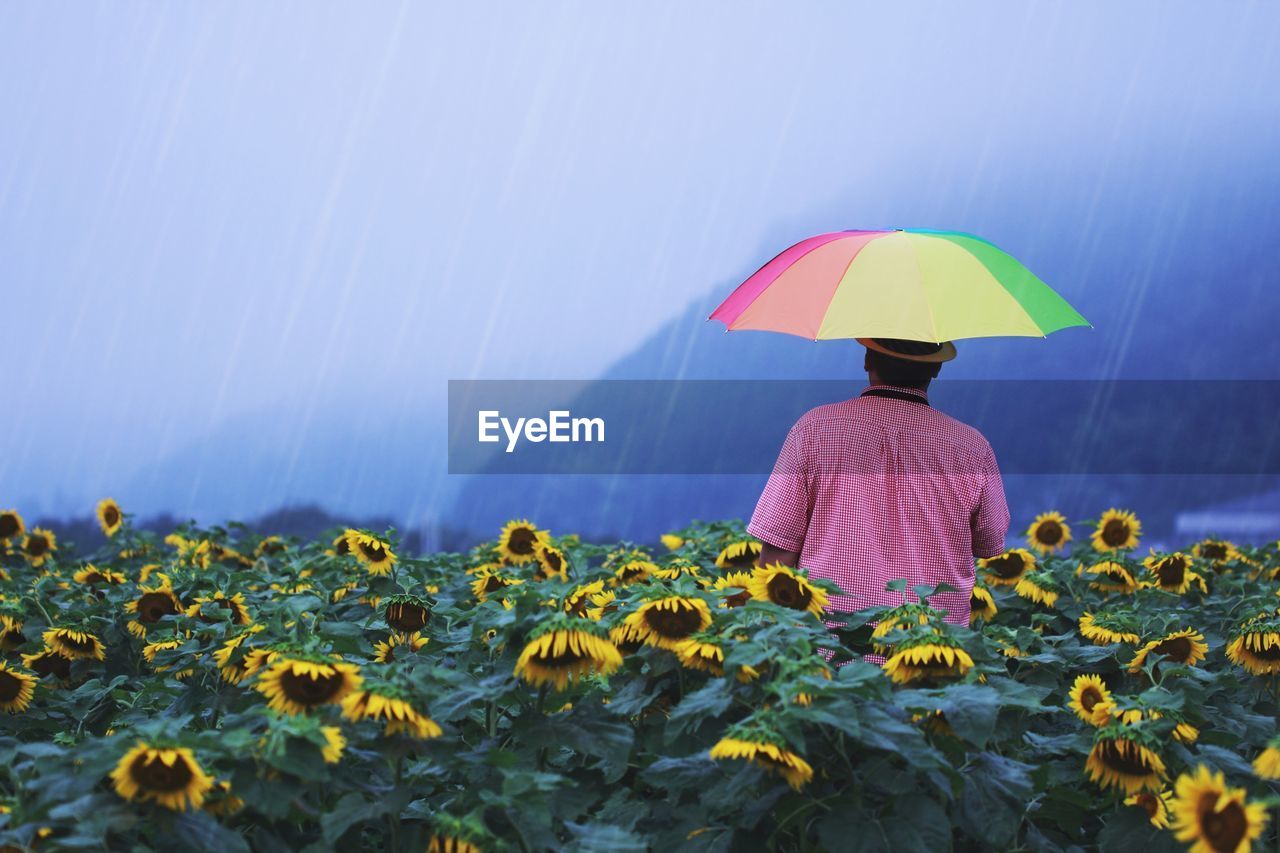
[[8, 526], [745, 560], [630, 573], [680, 622], [1224, 830], [1115, 533], [10, 686], [82, 646], [738, 599], [1214, 551], [521, 541], [1006, 566], [152, 606], [1271, 653], [1178, 648], [554, 562], [565, 660], [1129, 763], [406, 616], [1089, 698], [1171, 571], [37, 545], [373, 551], [786, 590], [493, 583], [1049, 532], [51, 664], [342, 548], [1148, 801], [306, 690], [111, 515], [155, 775]]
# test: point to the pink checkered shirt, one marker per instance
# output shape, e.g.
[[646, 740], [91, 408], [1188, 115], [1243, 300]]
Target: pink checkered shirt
[[877, 488]]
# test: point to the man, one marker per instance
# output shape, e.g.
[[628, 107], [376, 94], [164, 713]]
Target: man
[[884, 486]]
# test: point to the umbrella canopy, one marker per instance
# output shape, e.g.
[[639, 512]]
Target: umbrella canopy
[[909, 284]]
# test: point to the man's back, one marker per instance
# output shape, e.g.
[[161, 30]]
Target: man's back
[[880, 487]]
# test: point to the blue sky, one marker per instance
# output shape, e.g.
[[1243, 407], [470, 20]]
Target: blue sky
[[300, 214]]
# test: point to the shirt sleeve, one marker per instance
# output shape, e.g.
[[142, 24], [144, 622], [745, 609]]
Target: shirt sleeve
[[990, 520], [782, 514]]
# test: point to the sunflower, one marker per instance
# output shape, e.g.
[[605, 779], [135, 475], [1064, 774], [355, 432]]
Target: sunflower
[[11, 636], [171, 777], [406, 613], [235, 667], [1112, 577], [206, 608], [782, 586], [269, 546], [375, 554], [671, 541], [519, 541], [1008, 568], [110, 518], [1216, 551], [771, 756], [223, 802], [334, 744], [385, 652], [47, 663], [12, 527], [739, 583], [562, 651], [91, 575], [703, 652], [928, 657], [1214, 817], [384, 703], [678, 567], [551, 562], [488, 581], [38, 546], [1048, 532], [1185, 647], [576, 601], [16, 688], [1118, 530], [1172, 572], [1155, 804], [339, 546], [664, 622], [448, 844], [626, 638], [155, 603], [1103, 629], [902, 617], [1039, 587], [1120, 760], [636, 568], [741, 555], [1088, 696], [602, 603], [981, 604], [73, 644], [294, 686], [1267, 764], [1257, 648]]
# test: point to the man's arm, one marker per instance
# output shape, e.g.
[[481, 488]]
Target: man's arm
[[770, 554], [781, 519], [990, 522]]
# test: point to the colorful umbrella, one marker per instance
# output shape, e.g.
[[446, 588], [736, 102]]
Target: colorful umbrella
[[908, 284]]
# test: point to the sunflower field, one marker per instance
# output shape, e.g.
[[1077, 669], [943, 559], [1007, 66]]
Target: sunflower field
[[216, 689]]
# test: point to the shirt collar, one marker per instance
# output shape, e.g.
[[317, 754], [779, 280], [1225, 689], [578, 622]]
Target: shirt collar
[[916, 392]]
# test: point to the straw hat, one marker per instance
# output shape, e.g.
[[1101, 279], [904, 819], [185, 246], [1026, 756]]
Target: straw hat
[[912, 350]]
